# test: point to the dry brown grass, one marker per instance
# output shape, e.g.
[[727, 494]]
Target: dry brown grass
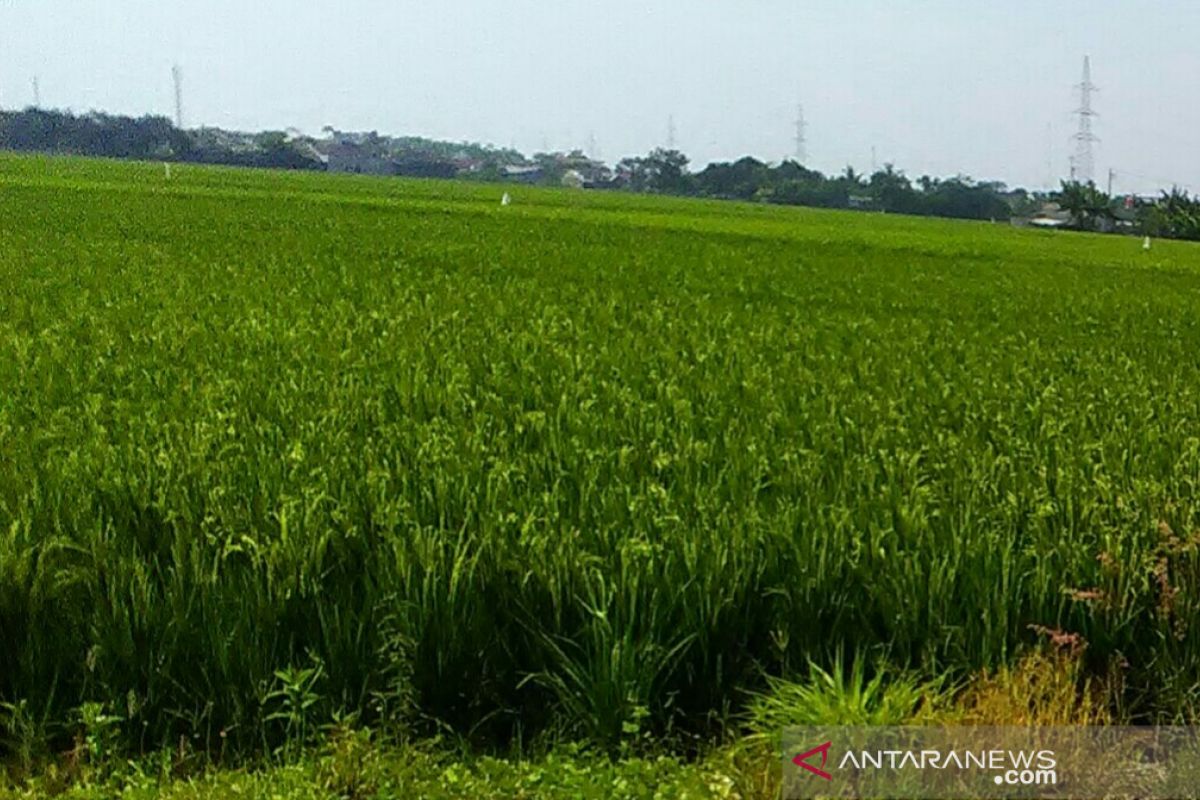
[[1046, 687]]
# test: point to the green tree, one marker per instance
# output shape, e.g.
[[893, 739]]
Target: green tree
[[667, 171], [893, 190], [1090, 208]]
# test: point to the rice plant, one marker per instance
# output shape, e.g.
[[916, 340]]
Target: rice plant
[[587, 463]]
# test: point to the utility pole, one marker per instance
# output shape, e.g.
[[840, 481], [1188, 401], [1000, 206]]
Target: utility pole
[[801, 140], [1084, 161], [37, 93], [177, 77], [874, 161], [1111, 174], [671, 132]]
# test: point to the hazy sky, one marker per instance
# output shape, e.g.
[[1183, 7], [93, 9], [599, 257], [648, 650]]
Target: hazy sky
[[982, 87]]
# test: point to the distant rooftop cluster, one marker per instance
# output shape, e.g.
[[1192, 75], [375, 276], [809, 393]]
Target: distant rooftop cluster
[[373, 154], [366, 153]]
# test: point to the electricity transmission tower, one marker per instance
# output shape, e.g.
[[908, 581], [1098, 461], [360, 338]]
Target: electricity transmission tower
[[1083, 164], [1050, 180], [177, 77], [801, 140]]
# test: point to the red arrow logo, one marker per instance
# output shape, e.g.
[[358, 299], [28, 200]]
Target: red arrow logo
[[802, 760]]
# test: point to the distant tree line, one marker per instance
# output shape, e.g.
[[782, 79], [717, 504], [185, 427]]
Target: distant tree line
[[662, 171], [1175, 215], [93, 134], [1172, 215], [790, 183], [149, 137]]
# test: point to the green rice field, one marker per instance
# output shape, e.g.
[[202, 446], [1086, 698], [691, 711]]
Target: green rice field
[[280, 448]]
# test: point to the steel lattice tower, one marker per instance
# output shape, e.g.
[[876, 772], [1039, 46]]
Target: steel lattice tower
[[177, 77], [1083, 163], [801, 140]]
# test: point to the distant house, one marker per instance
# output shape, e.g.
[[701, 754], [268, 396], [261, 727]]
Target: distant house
[[860, 201], [346, 156], [306, 146], [1051, 215], [466, 164], [417, 166], [232, 141], [521, 173], [1125, 216], [596, 174]]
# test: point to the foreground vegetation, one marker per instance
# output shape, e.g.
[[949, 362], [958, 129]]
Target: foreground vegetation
[[282, 449], [1044, 688], [355, 768]]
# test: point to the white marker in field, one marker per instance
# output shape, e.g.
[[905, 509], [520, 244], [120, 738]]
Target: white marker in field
[[505, 200], [167, 170], [1146, 244]]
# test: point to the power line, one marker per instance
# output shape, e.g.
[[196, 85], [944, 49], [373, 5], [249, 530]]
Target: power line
[[1159, 181]]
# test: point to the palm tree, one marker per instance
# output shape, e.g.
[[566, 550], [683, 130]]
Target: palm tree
[[1182, 214], [1087, 204]]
